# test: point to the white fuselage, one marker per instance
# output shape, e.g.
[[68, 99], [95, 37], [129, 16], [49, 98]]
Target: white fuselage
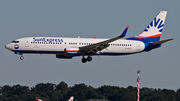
[[56, 45]]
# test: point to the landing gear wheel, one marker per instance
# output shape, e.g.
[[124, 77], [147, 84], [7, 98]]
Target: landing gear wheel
[[84, 60], [89, 58], [21, 57]]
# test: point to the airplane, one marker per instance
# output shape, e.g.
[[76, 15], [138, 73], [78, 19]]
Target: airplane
[[67, 48]]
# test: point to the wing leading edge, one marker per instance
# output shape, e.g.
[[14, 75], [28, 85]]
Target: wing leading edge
[[94, 48]]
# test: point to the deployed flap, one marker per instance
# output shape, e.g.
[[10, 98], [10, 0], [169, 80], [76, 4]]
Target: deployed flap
[[103, 44], [160, 42]]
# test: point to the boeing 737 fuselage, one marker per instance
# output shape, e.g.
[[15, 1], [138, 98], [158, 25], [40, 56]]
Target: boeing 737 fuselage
[[67, 48]]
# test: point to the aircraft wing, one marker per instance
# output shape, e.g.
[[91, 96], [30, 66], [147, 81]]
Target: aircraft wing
[[94, 48]]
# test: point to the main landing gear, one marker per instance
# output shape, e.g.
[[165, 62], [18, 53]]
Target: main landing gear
[[21, 57], [84, 60]]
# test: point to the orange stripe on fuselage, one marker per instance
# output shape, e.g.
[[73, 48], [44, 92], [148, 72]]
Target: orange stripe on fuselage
[[142, 37]]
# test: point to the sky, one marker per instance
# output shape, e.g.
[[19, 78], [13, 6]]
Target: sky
[[86, 18]]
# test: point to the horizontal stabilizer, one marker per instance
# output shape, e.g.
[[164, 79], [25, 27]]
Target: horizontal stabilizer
[[160, 42]]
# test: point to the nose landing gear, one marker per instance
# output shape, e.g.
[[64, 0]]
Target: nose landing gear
[[19, 53], [21, 57]]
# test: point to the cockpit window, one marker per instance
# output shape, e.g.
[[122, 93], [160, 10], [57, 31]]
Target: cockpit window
[[15, 42]]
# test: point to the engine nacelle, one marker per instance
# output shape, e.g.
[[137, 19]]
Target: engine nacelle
[[63, 56], [72, 52]]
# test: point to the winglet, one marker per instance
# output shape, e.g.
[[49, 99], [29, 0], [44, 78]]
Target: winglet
[[127, 27], [124, 32], [95, 37]]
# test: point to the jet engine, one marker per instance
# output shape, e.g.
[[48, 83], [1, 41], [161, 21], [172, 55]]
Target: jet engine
[[72, 52]]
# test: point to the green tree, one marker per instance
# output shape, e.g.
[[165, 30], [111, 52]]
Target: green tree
[[80, 91], [6, 90], [54, 98], [16, 98], [170, 94], [178, 95], [62, 86], [61, 92]]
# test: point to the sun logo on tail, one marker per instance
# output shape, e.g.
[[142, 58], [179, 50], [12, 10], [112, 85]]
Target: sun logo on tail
[[156, 24]]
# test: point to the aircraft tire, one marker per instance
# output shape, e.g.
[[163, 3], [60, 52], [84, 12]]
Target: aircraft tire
[[84, 60], [89, 59], [21, 58]]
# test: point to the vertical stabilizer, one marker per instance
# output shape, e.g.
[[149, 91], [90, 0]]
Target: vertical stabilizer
[[153, 31], [71, 99]]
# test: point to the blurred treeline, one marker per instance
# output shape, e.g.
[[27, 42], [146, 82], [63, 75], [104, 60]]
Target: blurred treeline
[[81, 92]]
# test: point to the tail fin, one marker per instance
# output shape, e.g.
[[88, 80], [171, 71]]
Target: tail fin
[[71, 99], [38, 99], [153, 31]]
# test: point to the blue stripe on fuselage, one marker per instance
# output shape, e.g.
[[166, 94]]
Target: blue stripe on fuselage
[[145, 40], [62, 52]]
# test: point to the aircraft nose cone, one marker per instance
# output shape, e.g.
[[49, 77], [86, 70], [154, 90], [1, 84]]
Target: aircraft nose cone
[[8, 46]]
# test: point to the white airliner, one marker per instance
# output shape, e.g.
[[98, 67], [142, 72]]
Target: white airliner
[[67, 48]]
